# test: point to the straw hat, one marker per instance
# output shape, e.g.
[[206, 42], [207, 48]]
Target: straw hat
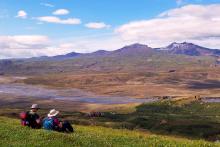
[[52, 113], [35, 106]]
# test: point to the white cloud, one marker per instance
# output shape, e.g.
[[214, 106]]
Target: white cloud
[[194, 23], [37, 45], [196, 11], [23, 42], [27, 46], [47, 5], [61, 12], [21, 14], [97, 25], [53, 19], [27, 53]]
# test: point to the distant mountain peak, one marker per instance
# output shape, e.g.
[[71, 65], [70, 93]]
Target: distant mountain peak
[[180, 45], [135, 49], [190, 49], [100, 52], [183, 43], [136, 45], [72, 54]]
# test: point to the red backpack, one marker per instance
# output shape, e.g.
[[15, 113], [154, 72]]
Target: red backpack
[[23, 117]]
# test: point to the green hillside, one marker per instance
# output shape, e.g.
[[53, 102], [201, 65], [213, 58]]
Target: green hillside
[[12, 134]]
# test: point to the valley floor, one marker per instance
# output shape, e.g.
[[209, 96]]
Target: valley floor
[[204, 82]]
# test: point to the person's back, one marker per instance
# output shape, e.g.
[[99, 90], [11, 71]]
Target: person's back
[[51, 123]]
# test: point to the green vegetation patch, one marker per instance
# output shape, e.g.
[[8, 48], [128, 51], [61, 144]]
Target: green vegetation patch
[[194, 120], [12, 134]]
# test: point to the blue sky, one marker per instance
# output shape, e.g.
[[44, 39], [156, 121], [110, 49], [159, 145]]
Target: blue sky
[[48, 27], [113, 12]]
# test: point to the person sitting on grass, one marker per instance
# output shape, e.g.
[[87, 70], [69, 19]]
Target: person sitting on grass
[[31, 118], [51, 122]]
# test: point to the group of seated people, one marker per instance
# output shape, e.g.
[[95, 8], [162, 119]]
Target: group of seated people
[[51, 122]]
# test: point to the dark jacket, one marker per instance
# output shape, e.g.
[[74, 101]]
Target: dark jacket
[[32, 118]]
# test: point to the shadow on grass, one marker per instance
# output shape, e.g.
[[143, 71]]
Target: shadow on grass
[[191, 120]]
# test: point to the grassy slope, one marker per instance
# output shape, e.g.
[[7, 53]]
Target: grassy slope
[[12, 134]]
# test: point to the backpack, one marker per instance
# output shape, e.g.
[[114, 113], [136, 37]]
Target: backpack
[[23, 117], [48, 123]]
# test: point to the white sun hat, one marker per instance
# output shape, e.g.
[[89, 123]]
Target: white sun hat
[[53, 113]]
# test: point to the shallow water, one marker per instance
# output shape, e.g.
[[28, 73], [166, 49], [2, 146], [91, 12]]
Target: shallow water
[[211, 100], [67, 94]]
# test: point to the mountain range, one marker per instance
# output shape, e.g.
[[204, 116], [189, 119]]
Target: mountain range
[[184, 48], [135, 57]]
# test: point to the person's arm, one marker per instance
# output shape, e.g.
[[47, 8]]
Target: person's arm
[[27, 120], [37, 118]]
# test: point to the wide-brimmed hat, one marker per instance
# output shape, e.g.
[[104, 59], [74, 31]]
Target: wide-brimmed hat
[[52, 113], [35, 106]]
